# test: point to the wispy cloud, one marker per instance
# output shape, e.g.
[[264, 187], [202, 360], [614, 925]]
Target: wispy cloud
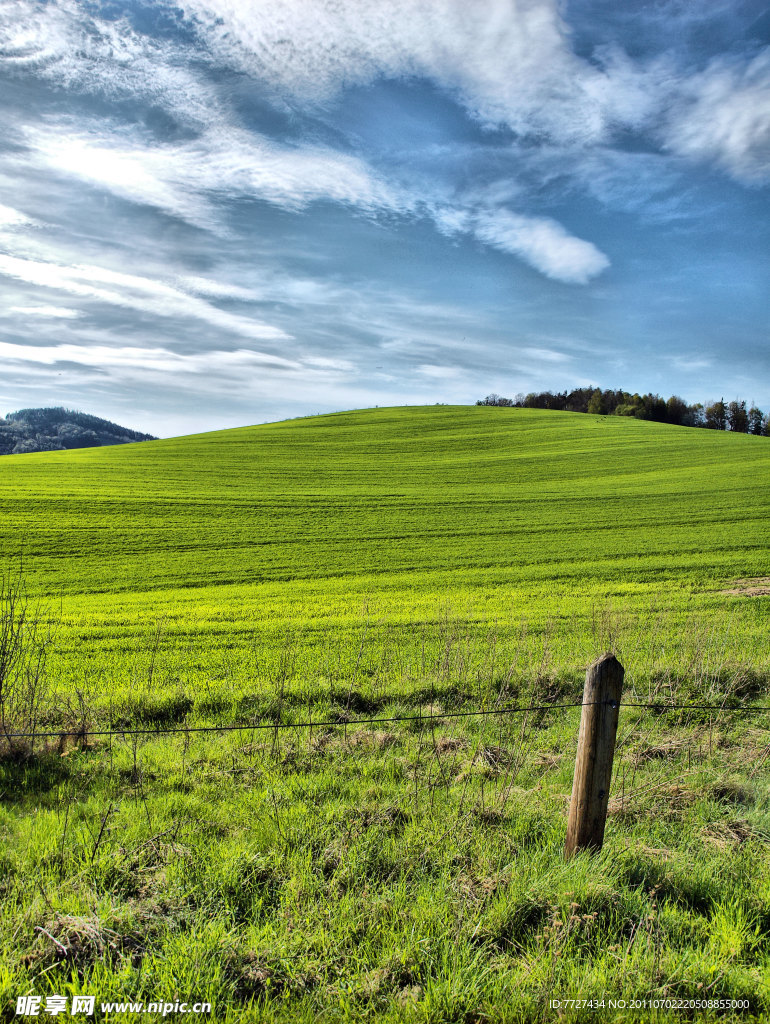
[[47, 312], [132, 292], [215, 289], [189, 180], [10, 218], [546, 355], [239, 375], [508, 62], [67, 43], [437, 372], [723, 116], [145, 360]]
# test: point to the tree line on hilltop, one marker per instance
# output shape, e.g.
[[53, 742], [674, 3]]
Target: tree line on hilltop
[[719, 415]]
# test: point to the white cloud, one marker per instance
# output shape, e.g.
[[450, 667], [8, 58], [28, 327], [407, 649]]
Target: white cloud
[[185, 180], [646, 183], [190, 179], [508, 61], [239, 374], [10, 218], [216, 289], [453, 220], [54, 312], [142, 174], [723, 116], [132, 292], [546, 355], [544, 244], [247, 164], [435, 372], [689, 361], [63, 42], [163, 360], [325, 363]]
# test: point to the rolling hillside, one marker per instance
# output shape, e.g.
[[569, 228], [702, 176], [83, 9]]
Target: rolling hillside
[[400, 516], [496, 495]]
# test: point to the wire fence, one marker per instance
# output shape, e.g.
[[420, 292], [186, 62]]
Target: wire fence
[[310, 723], [485, 776]]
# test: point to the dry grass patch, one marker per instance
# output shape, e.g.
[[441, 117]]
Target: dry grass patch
[[80, 941], [262, 975], [668, 797], [759, 586], [656, 852], [449, 744], [376, 739], [497, 758], [547, 762], [726, 834], [666, 750]]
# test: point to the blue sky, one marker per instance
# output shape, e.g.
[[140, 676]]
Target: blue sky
[[219, 212]]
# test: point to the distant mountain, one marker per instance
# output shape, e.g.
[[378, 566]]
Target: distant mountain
[[47, 430]]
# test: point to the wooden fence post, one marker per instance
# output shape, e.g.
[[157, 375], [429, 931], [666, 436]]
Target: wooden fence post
[[596, 747]]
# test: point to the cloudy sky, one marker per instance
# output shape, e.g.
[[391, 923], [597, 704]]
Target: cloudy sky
[[220, 212]]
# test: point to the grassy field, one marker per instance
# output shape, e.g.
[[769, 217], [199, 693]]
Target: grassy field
[[395, 563]]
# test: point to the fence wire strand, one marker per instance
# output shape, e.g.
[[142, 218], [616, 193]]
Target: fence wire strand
[[658, 707]]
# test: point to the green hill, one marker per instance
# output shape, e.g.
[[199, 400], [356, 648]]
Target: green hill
[[483, 514], [59, 429], [497, 495]]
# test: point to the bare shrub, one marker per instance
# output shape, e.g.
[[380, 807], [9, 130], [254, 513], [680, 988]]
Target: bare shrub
[[25, 638]]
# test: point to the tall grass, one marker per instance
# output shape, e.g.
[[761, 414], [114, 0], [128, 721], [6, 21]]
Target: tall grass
[[352, 869]]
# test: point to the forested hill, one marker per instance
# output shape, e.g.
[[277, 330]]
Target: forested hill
[[45, 430]]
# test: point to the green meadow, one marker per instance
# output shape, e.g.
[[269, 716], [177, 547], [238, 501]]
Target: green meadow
[[349, 590]]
